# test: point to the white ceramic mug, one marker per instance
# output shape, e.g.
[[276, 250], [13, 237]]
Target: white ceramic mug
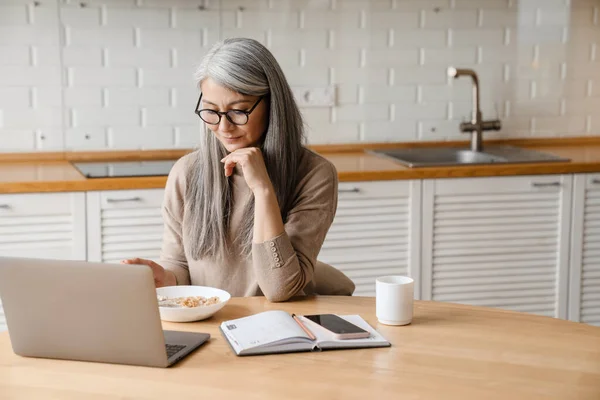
[[394, 299]]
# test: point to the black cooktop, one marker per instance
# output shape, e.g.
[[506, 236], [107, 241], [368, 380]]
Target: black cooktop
[[121, 169]]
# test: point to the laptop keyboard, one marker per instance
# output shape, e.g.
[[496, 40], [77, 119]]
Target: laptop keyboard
[[173, 348]]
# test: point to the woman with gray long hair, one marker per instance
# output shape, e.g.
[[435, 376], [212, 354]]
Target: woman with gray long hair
[[249, 210]]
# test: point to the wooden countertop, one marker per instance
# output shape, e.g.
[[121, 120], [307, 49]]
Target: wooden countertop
[[53, 172], [450, 351]]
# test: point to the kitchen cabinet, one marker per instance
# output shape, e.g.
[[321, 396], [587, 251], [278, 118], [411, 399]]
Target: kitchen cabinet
[[499, 242], [371, 234], [584, 288], [375, 232], [525, 243], [124, 224], [45, 225]]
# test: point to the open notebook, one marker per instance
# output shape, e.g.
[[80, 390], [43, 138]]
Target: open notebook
[[277, 332]]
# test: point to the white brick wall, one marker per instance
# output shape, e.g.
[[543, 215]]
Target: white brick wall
[[31, 110], [97, 74]]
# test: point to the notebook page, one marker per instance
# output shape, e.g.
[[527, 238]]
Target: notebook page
[[261, 329]]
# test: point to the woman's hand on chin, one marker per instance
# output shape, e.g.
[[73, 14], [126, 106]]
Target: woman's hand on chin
[[251, 161]]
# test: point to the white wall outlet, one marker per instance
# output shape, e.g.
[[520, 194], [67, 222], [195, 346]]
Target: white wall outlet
[[314, 96]]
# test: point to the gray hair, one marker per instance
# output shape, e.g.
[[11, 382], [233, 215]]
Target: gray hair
[[247, 67]]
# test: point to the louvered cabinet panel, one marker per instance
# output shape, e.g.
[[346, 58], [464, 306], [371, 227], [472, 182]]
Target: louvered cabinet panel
[[124, 224], [498, 242], [375, 232], [42, 225], [584, 293]]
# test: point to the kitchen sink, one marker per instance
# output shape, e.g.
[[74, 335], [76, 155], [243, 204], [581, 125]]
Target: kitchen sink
[[453, 156]]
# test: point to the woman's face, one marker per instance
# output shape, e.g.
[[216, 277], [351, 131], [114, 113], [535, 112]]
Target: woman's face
[[233, 137]]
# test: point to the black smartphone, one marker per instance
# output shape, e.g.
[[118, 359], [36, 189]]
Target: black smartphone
[[340, 328]]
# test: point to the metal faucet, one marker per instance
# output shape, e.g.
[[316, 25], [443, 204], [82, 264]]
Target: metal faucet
[[477, 125]]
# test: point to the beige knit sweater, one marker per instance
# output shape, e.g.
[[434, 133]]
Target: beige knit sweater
[[278, 268]]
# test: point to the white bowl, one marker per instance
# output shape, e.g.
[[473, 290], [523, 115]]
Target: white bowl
[[188, 314]]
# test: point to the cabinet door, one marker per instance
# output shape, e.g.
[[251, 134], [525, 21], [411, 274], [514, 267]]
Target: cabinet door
[[42, 225], [124, 224], [375, 232], [584, 291], [498, 242]]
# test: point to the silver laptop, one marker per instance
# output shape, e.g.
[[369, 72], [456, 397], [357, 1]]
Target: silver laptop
[[77, 310]]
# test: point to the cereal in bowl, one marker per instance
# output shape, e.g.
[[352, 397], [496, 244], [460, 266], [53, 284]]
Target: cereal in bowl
[[188, 301]]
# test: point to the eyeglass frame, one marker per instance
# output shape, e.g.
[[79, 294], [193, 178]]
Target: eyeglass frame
[[221, 113]]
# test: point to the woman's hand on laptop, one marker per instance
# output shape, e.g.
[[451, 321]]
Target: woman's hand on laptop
[[162, 277]]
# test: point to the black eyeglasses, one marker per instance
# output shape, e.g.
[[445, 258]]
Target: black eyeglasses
[[236, 117]]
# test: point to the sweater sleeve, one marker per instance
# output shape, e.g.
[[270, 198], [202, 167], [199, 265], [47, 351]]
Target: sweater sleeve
[[172, 255], [285, 264]]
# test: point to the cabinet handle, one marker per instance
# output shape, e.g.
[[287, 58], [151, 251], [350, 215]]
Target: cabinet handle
[[4, 206], [124, 200], [545, 184], [350, 190], [596, 181]]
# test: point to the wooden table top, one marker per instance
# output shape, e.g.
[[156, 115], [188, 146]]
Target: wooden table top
[[450, 351]]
